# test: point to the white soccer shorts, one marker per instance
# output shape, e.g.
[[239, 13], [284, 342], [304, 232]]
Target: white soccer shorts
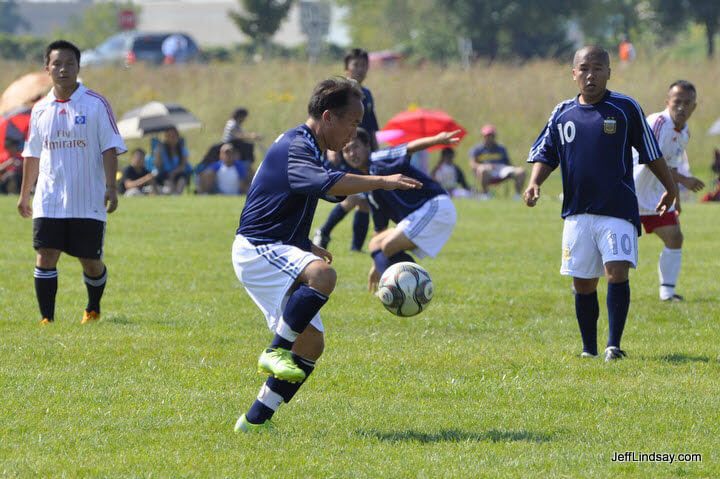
[[268, 273], [429, 227], [590, 241]]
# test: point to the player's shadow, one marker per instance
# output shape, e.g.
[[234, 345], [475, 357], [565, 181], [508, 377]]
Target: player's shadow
[[455, 435], [682, 358]]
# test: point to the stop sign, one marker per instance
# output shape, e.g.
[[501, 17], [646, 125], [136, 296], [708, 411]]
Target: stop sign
[[126, 19]]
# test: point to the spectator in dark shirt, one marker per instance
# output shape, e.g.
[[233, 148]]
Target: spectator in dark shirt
[[136, 179]]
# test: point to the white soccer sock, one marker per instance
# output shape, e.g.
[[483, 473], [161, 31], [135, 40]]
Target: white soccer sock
[[668, 271]]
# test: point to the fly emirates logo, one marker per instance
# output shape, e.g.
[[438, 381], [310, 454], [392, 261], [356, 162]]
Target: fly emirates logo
[[63, 139]]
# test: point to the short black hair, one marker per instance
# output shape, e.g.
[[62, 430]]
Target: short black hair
[[355, 54], [240, 113], [333, 94], [138, 150], [593, 50], [61, 45], [448, 151], [683, 85]]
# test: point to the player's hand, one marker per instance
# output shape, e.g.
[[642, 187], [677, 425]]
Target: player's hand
[[373, 279], [692, 183], [111, 200], [667, 200], [401, 182], [24, 207], [322, 252], [447, 138], [531, 195]]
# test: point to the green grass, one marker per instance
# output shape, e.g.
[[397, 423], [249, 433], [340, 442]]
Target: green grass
[[483, 384]]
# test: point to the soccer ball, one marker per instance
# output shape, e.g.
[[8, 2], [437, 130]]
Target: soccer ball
[[405, 289]]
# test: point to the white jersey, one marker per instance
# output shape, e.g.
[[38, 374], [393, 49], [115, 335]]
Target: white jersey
[[69, 137], [672, 143]]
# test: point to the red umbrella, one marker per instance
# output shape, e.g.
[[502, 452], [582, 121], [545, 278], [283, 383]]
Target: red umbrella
[[14, 124], [420, 123]]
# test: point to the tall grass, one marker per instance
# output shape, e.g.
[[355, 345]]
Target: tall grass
[[518, 99]]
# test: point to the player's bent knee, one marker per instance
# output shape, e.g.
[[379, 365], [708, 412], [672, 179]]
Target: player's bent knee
[[321, 277]]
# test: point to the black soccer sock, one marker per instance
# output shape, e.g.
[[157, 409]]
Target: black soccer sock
[[302, 306], [95, 288], [276, 391], [361, 223], [46, 284], [382, 262], [618, 304], [587, 311], [335, 217]]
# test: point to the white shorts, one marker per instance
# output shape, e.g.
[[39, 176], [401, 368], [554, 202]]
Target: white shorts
[[268, 273], [590, 241], [430, 226], [501, 172]]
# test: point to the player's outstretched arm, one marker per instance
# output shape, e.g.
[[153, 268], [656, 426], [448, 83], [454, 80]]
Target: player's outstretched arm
[[444, 138], [661, 171], [31, 170], [351, 184], [539, 174], [689, 182]]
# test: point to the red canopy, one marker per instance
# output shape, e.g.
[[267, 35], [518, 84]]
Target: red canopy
[[420, 123]]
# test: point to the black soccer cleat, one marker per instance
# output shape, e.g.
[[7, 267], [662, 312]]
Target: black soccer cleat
[[613, 352], [675, 298]]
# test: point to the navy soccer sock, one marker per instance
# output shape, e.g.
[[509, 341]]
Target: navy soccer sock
[[276, 391], [618, 303], [302, 306], [587, 311], [46, 284], [382, 262], [361, 222], [95, 288], [335, 217]]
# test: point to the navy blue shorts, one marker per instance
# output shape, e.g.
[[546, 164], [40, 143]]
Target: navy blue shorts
[[79, 237]]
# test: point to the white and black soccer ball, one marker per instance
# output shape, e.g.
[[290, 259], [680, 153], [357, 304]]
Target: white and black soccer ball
[[405, 289]]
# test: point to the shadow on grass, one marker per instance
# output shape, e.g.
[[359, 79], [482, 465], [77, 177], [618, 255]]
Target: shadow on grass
[[681, 358], [118, 320], [454, 435]]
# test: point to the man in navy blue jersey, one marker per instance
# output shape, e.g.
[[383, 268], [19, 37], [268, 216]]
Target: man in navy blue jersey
[[591, 137], [356, 67], [424, 217], [287, 276]]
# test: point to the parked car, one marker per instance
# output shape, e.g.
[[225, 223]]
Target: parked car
[[128, 48]]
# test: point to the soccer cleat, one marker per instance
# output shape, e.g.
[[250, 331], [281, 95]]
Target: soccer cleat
[[46, 321], [278, 362], [613, 352], [89, 316], [585, 354], [320, 239], [675, 298], [243, 425]]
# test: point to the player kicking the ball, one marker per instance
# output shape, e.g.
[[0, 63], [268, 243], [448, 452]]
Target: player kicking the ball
[[591, 137], [424, 218], [287, 276], [671, 131]]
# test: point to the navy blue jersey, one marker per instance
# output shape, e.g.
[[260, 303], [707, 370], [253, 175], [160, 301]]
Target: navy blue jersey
[[397, 204], [369, 122], [284, 193], [593, 146]]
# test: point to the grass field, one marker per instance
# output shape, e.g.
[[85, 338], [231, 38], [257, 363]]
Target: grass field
[[483, 384]]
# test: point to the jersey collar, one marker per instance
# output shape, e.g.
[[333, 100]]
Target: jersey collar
[[74, 97]]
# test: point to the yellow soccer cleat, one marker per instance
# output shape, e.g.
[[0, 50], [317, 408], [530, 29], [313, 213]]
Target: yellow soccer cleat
[[89, 316]]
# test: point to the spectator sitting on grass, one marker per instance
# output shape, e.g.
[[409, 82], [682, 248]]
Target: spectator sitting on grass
[[227, 176]]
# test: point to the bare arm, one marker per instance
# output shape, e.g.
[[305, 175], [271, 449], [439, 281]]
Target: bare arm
[[661, 171], [689, 182], [129, 184], [444, 138], [110, 164], [31, 170], [351, 184], [540, 173]]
